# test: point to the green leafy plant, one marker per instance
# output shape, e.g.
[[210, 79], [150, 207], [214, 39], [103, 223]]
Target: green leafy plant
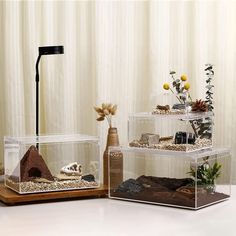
[[205, 175], [209, 93], [203, 127]]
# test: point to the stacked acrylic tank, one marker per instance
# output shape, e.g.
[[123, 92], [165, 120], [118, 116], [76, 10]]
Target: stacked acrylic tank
[[170, 161], [177, 132], [51, 163]]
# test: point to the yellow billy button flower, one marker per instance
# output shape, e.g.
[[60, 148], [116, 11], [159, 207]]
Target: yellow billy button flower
[[187, 86], [166, 86], [183, 77]]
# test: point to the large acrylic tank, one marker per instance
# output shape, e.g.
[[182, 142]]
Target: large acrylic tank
[[188, 180], [51, 163]]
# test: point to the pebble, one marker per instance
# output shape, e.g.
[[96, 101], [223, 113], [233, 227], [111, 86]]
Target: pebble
[[169, 112]]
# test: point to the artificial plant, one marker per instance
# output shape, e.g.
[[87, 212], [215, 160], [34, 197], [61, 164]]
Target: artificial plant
[[203, 127], [209, 93], [181, 87], [205, 175]]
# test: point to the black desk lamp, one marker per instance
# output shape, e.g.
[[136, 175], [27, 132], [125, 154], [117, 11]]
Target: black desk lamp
[[49, 50]]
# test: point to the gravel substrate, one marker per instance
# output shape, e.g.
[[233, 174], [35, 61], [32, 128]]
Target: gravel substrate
[[169, 145], [32, 187], [168, 112]]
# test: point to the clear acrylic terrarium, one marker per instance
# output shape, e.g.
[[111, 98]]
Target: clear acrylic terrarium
[[185, 132], [186, 180], [51, 163]]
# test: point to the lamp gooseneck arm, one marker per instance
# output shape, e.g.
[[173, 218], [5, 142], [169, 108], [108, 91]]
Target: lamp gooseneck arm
[[37, 95], [37, 68]]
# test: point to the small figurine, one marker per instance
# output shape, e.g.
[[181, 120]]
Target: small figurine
[[184, 138]]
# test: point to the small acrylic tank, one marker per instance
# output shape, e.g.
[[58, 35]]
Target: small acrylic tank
[[51, 163], [182, 180], [185, 132]]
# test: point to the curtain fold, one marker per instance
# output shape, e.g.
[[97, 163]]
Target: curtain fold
[[115, 51]]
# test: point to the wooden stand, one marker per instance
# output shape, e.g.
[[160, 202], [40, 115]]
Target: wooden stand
[[10, 197]]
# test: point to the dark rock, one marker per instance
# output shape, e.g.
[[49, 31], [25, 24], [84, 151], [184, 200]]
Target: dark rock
[[130, 186], [89, 178], [163, 182]]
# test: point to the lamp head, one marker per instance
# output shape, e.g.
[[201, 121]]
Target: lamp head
[[50, 50]]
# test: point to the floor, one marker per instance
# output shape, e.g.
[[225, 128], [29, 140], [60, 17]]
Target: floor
[[108, 217]]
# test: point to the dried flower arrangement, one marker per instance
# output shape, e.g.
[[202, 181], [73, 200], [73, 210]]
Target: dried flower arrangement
[[181, 87], [183, 95], [106, 111], [202, 128]]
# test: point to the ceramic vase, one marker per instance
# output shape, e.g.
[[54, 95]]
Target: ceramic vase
[[115, 161]]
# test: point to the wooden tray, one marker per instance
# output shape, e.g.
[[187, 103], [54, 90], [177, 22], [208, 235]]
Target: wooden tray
[[10, 197]]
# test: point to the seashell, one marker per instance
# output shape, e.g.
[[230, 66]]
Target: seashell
[[73, 169]]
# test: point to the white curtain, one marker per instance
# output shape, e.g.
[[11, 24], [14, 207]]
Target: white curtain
[[115, 51]]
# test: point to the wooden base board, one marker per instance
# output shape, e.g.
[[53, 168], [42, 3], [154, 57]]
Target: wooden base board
[[10, 197]]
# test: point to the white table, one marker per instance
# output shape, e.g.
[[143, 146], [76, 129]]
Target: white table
[[113, 217]]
